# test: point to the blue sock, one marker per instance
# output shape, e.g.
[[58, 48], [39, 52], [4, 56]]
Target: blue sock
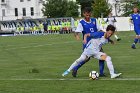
[[136, 40], [79, 65], [101, 66]]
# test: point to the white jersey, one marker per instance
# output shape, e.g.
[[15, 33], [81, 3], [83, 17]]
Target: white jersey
[[94, 46]]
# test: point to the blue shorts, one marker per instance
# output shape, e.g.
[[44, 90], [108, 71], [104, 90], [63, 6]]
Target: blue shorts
[[137, 30]]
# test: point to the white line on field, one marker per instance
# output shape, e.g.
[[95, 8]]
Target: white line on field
[[40, 45], [62, 79]]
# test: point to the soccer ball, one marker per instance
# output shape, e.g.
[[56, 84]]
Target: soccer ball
[[93, 75]]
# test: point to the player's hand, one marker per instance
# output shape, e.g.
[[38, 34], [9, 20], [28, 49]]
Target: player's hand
[[84, 41]]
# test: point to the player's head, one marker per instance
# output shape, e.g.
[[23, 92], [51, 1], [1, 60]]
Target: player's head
[[87, 13], [110, 31], [135, 10]]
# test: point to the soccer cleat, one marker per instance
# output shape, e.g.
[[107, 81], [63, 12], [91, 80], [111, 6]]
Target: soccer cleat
[[118, 39], [115, 75], [65, 73], [102, 75], [133, 46], [74, 73]]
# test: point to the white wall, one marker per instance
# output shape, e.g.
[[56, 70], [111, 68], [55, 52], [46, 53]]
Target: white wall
[[123, 24]]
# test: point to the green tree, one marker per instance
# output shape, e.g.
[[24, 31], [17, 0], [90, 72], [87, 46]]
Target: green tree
[[85, 3], [128, 6], [101, 8], [72, 8], [60, 8]]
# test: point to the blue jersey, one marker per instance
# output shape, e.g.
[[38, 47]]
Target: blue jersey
[[88, 27], [97, 35], [136, 21]]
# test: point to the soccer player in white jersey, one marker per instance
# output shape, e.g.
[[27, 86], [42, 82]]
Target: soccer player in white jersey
[[93, 48], [111, 21]]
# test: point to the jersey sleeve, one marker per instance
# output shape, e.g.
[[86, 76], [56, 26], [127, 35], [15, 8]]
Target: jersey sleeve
[[96, 35], [79, 28]]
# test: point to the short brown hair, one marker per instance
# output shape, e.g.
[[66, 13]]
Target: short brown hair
[[87, 9], [110, 27]]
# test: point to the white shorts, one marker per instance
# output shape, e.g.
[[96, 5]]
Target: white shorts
[[93, 53]]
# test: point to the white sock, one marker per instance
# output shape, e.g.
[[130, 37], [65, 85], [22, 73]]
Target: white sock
[[110, 65], [76, 62], [116, 36]]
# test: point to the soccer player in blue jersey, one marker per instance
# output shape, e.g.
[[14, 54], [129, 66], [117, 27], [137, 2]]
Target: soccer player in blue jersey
[[135, 19], [93, 48], [87, 25]]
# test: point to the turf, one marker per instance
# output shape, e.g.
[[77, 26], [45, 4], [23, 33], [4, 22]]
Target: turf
[[52, 54]]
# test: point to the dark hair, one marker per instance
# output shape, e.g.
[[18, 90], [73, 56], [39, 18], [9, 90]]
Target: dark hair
[[110, 27], [137, 9], [87, 9]]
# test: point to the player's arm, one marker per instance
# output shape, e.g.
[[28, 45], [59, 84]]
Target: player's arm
[[93, 35], [85, 38], [78, 30], [131, 20]]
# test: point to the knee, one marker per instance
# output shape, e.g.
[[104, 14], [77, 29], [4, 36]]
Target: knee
[[108, 58], [103, 57], [82, 58]]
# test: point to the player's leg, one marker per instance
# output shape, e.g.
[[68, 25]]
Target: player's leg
[[101, 66], [75, 63], [111, 68], [108, 60], [135, 42], [117, 38], [139, 36], [137, 31], [75, 69]]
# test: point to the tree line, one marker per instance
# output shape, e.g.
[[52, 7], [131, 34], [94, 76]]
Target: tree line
[[69, 8]]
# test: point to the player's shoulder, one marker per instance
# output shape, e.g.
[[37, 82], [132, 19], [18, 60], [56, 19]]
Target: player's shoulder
[[93, 19], [82, 19], [132, 14]]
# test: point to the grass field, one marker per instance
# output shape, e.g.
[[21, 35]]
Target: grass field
[[53, 54]]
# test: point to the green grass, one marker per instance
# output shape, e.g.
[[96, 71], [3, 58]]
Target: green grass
[[53, 54]]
